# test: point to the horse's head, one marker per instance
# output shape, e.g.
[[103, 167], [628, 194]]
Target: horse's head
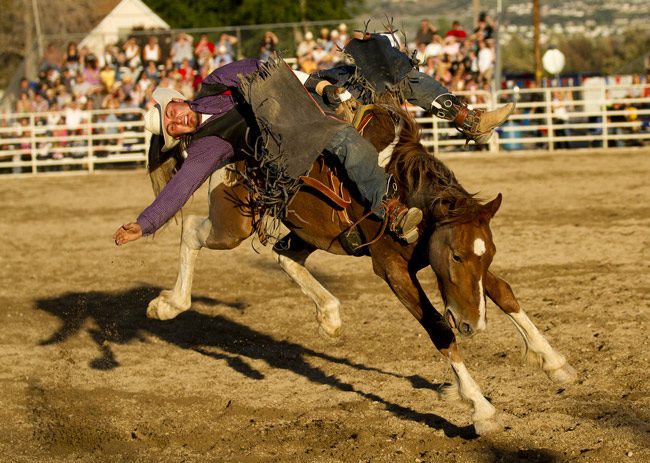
[[460, 253]]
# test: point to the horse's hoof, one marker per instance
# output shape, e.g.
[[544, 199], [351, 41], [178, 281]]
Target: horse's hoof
[[330, 333], [161, 309], [563, 375], [489, 426], [329, 320]]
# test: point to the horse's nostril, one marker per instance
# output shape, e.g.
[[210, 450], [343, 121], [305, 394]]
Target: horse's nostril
[[465, 328]]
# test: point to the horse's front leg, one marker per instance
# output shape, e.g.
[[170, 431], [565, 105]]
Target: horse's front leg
[[225, 228], [170, 303], [291, 253], [538, 349], [408, 290]]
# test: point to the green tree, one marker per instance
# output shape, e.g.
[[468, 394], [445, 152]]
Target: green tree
[[517, 55], [192, 14]]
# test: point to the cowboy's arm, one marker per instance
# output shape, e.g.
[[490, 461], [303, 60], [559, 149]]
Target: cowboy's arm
[[229, 74], [332, 93], [205, 156]]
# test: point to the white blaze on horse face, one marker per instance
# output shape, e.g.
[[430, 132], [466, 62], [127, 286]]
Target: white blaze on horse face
[[482, 319], [479, 247]]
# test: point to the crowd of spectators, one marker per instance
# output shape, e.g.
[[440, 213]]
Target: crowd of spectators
[[124, 76], [461, 60], [73, 80]]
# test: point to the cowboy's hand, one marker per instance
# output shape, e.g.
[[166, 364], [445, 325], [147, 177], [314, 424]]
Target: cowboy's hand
[[334, 95], [127, 232]]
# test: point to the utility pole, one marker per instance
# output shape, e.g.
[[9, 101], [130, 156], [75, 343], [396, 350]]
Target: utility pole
[[538, 45], [476, 10], [28, 19], [497, 47], [37, 23]]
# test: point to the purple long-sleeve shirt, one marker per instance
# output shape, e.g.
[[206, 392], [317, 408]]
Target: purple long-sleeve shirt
[[204, 156]]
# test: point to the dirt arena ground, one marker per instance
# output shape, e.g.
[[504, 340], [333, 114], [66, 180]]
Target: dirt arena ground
[[244, 376]]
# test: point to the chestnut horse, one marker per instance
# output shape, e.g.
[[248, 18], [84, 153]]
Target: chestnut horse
[[455, 241]]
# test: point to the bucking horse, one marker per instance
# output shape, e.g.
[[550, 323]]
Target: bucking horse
[[326, 214]]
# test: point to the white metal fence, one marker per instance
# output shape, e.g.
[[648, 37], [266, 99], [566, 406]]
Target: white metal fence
[[546, 119], [73, 139], [559, 118]]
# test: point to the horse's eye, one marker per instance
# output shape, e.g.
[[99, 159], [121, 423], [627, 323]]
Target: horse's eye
[[457, 258]]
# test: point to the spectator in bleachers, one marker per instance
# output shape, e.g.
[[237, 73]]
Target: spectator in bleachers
[[435, 48], [221, 58], [324, 36], [52, 58], [109, 56], [72, 57], [451, 47], [204, 50], [321, 57], [24, 103], [198, 78], [90, 72], [151, 72], [25, 86], [132, 53], [331, 43], [151, 52], [80, 87], [343, 35], [182, 49], [268, 46], [425, 33], [456, 31], [228, 42], [304, 54], [485, 27], [83, 55], [561, 105], [485, 58]]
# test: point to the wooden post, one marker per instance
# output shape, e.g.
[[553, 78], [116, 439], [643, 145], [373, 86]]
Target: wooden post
[[538, 45]]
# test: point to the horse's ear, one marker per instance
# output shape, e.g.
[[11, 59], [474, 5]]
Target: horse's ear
[[491, 208]]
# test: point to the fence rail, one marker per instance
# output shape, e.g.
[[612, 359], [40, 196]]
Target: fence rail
[[72, 140], [551, 119]]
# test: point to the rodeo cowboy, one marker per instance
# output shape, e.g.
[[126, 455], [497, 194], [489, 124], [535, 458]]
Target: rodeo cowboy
[[203, 126], [380, 66]]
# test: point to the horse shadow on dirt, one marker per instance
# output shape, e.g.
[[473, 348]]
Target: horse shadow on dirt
[[120, 318]]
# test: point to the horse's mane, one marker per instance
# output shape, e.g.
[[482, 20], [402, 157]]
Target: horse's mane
[[424, 180]]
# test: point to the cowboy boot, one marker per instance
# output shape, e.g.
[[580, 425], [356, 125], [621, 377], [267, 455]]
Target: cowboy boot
[[478, 124], [402, 220]]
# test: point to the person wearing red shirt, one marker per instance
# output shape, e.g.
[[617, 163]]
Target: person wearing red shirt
[[457, 31]]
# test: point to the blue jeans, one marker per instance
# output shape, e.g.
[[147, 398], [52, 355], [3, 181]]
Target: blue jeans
[[359, 158]]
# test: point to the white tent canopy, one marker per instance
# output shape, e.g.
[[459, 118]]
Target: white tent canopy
[[127, 15]]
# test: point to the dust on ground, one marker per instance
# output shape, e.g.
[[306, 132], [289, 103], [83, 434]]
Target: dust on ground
[[244, 377]]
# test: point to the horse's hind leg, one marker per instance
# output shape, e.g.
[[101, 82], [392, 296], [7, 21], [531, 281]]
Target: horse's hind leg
[[538, 349], [232, 227], [291, 253]]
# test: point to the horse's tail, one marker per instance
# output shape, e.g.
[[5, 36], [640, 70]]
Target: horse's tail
[[162, 174], [162, 165]]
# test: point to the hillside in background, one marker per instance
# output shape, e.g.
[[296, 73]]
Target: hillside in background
[[590, 17]]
